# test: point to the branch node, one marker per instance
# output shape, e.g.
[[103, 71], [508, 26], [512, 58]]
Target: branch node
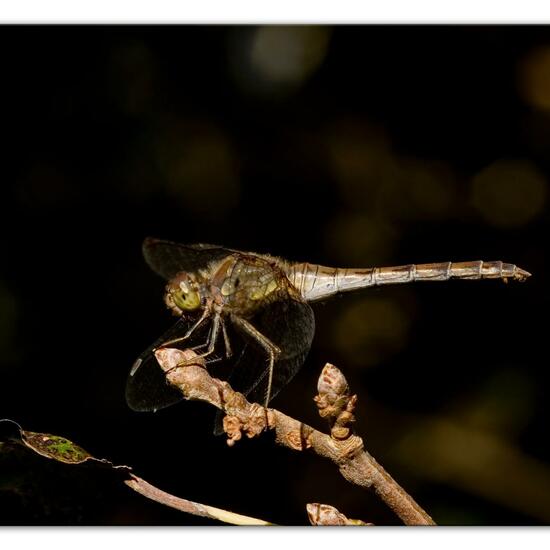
[[244, 418], [296, 440], [351, 447], [232, 426]]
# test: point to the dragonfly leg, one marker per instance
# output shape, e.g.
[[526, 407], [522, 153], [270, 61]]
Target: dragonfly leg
[[195, 348], [214, 333], [227, 343], [207, 343], [270, 348], [203, 317]]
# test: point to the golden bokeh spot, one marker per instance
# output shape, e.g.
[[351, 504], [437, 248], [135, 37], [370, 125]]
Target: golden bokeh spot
[[200, 169], [370, 331], [509, 193], [362, 163], [534, 78], [371, 177], [288, 54], [430, 188], [503, 403], [357, 240]]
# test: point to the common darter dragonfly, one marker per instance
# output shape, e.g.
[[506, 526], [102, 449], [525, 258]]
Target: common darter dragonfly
[[250, 312]]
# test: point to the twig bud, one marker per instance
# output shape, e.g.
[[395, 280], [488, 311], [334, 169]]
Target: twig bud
[[334, 402], [332, 383], [324, 514]]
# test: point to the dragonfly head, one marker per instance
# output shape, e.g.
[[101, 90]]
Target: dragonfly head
[[182, 294]]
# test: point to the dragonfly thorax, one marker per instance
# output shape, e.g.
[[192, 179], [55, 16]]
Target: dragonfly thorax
[[243, 284]]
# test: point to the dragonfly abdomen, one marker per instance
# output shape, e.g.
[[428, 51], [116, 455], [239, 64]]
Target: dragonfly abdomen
[[316, 282]]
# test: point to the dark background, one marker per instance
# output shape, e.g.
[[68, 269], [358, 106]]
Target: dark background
[[348, 146]]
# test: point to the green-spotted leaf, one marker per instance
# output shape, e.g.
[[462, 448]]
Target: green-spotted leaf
[[50, 446], [56, 447]]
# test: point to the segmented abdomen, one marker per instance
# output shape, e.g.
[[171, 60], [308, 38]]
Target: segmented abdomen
[[316, 282]]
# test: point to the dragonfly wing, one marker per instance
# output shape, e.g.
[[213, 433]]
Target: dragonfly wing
[[167, 258], [287, 322], [146, 387]]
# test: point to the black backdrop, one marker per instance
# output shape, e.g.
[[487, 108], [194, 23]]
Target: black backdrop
[[348, 146]]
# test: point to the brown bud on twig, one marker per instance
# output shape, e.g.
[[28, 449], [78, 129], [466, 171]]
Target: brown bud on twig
[[334, 401], [323, 514], [252, 424]]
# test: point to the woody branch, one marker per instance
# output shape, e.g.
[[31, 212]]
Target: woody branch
[[342, 446]]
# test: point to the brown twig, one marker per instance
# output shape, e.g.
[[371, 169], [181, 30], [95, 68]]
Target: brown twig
[[183, 505], [65, 451], [343, 447]]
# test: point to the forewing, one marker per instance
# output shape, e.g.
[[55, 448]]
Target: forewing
[[167, 258], [146, 387]]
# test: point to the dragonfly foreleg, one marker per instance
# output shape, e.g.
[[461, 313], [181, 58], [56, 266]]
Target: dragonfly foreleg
[[207, 343], [204, 344], [203, 317], [214, 333], [270, 348]]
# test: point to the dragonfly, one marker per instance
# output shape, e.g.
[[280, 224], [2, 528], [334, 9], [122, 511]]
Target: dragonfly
[[251, 312]]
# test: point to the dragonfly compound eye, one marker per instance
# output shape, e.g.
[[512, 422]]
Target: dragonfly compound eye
[[185, 298]]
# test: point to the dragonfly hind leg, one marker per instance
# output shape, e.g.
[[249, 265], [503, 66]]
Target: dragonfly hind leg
[[270, 348]]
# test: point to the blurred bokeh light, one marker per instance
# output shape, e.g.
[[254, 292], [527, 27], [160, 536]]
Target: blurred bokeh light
[[509, 192], [372, 177], [534, 78], [277, 60], [199, 168], [359, 240], [288, 54], [371, 330]]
